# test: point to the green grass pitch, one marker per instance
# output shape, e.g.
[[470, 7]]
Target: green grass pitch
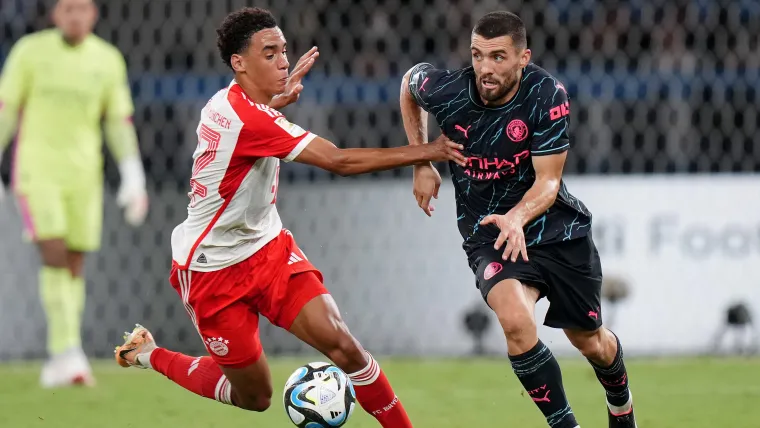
[[438, 393]]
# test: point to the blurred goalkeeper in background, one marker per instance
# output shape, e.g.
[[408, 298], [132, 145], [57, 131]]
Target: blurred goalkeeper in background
[[57, 86]]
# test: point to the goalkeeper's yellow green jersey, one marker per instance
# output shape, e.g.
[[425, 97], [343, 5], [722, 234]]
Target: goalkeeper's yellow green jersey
[[63, 93]]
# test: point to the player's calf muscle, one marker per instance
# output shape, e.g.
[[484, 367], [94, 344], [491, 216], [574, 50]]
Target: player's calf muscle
[[320, 325], [598, 346], [255, 403], [342, 348], [347, 353], [251, 387]]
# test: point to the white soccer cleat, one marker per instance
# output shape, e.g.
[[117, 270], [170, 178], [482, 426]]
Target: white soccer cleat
[[136, 350], [69, 368]]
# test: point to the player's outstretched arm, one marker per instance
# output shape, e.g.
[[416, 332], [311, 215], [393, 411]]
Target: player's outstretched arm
[[324, 154]]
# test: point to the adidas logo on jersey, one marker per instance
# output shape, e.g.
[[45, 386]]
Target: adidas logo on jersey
[[201, 259], [268, 110], [294, 258]]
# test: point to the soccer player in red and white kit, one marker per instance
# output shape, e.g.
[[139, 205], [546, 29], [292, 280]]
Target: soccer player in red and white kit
[[232, 259]]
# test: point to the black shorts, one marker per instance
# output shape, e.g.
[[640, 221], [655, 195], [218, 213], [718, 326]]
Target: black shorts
[[568, 273]]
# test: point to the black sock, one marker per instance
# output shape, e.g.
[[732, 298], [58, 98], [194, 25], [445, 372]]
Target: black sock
[[614, 378], [539, 373]]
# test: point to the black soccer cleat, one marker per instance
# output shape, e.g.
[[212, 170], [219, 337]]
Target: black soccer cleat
[[626, 420]]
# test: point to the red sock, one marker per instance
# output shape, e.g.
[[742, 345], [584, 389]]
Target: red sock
[[200, 375], [374, 393]]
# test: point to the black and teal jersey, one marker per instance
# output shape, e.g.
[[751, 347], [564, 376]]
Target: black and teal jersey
[[500, 143]]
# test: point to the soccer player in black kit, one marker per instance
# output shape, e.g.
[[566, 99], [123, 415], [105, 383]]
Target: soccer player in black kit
[[512, 118]]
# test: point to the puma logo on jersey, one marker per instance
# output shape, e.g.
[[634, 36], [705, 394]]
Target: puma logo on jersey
[[462, 130]]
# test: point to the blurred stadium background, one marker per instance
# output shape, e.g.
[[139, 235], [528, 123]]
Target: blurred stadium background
[[665, 101]]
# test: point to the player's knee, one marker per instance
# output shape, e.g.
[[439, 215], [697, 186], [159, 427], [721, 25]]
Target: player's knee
[[257, 402], [517, 324]]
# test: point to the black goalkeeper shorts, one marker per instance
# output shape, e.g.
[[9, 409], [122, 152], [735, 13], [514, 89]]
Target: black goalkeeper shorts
[[567, 273]]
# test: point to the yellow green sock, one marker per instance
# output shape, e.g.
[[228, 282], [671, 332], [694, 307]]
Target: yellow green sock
[[56, 301], [78, 295]]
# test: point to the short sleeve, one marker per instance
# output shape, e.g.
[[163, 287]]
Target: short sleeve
[[550, 132], [424, 84], [267, 133], [15, 78], [119, 98]]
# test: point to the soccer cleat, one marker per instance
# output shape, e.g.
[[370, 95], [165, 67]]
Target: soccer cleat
[[69, 368], [135, 352], [622, 417], [625, 420]]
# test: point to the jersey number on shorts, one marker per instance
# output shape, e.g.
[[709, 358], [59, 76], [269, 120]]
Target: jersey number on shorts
[[212, 138]]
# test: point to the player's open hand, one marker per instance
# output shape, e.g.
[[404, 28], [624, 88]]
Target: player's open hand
[[511, 232], [443, 149], [427, 181], [294, 86]]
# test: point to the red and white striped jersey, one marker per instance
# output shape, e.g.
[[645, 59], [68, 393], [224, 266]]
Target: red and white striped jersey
[[233, 188]]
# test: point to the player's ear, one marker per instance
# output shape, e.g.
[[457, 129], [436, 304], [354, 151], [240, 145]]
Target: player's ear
[[55, 14], [237, 63], [525, 58], [94, 12]]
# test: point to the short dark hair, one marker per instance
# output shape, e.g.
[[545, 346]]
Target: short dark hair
[[502, 23], [234, 35]]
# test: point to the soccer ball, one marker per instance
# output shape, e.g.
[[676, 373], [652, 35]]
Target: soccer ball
[[319, 395]]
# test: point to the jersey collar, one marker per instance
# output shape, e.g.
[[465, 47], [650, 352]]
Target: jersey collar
[[68, 46]]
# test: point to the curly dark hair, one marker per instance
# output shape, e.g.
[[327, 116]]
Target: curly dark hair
[[234, 35]]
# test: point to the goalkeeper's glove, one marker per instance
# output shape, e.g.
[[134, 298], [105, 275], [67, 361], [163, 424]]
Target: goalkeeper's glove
[[132, 195]]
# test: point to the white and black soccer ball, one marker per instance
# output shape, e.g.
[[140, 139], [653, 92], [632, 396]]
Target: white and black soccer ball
[[319, 395]]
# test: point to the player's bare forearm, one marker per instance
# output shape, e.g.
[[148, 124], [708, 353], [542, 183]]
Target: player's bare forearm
[[536, 201], [323, 154], [544, 191], [362, 161], [414, 117]]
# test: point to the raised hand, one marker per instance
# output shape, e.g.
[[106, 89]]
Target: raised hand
[[294, 86]]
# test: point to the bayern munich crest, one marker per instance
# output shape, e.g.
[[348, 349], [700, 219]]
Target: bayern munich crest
[[517, 130], [218, 345]]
